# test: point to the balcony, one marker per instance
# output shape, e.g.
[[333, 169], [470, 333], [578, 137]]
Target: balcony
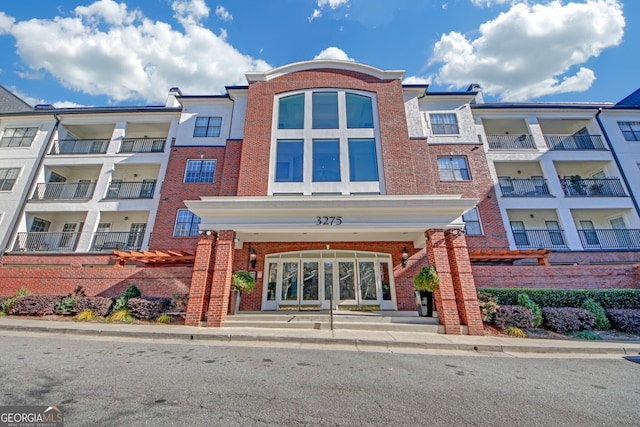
[[575, 142], [592, 187], [538, 239], [117, 240], [511, 142], [64, 191], [609, 238], [46, 242], [79, 146], [142, 145], [131, 190], [524, 187]]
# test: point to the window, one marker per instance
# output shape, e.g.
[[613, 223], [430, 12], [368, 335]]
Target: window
[[8, 178], [40, 225], [444, 124], [472, 223], [289, 161], [325, 142], [630, 130], [18, 137], [207, 127], [453, 169], [187, 224], [200, 170]]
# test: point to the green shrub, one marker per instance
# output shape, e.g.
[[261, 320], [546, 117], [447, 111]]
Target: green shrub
[[602, 322], [164, 318], [607, 298], [65, 305], [243, 281], [487, 307], [9, 302], [585, 335], [525, 301], [85, 316], [121, 316], [131, 292], [512, 331]]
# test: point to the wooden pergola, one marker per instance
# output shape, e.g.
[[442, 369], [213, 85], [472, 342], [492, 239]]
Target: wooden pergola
[[155, 258], [491, 255]]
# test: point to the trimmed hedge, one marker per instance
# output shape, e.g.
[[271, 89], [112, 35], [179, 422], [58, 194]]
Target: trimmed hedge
[[607, 298], [625, 320], [567, 319], [99, 305], [35, 305], [513, 316], [149, 307]]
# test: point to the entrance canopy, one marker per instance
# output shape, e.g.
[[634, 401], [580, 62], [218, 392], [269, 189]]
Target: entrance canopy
[[331, 218]]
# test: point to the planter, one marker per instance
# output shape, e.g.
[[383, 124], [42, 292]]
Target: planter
[[234, 301], [424, 303]]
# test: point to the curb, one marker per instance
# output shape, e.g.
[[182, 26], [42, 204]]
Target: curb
[[240, 338]]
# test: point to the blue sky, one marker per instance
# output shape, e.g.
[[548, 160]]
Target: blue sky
[[130, 52]]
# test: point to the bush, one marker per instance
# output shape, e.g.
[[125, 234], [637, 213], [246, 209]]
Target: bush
[[585, 335], [602, 322], [512, 331], [121, 316], [607, 298], [514, 316], [148, 308], [164, 318], [131, 292], [8, 303], [525, 301], [99, 305], [85, 316], [567, 319], [65, 305], [625, 320], [487, 307], [35, 305]]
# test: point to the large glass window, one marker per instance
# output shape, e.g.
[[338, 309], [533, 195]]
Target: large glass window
[[200, 170], [291, 112], [359, 111], [187, 224], [453, 169], [8, 178], [630, 130], [289, 161], [363, 162], [325, 110], [18, 137], [444, 124], [207, 127], [472, 223], [326, 160]]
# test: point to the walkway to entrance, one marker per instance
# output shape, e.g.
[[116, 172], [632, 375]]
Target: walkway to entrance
[[392, 321]]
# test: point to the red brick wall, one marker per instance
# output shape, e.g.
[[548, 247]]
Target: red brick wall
[[559, 277], [41, 278]]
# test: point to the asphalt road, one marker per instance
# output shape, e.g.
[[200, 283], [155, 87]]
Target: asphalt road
[[124, 382]]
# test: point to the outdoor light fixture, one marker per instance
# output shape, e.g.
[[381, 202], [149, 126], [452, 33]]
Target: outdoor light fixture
[[405, 256], [252, 257], [456, 232]]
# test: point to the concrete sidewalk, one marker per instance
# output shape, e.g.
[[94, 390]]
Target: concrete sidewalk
[[345, 337]]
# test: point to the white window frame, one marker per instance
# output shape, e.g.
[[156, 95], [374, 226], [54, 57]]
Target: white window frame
[[5, 179], [175, 226], [186, 169], [466, 161], [433, 125], [307, 134], [479, 221], [22, 138], [636, 134], [208, 127]]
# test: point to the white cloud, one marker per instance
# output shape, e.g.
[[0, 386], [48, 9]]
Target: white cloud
[[488, 3], [323, 4], [223, 14], [414, 80], [133, 58], [529, 51], [316, 14], [333, 53], [6, 22]]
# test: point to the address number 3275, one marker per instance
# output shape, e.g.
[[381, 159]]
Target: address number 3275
[[328, 220]]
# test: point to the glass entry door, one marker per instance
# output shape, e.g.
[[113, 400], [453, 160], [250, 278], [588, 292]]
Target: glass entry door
[[299, 284]]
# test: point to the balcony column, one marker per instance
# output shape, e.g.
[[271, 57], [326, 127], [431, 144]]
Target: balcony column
[[445, 295], [221, 279], [85, 240], [553, 182], [463, 284], [570, 229], [200, 289], [536, 133], [116, 137]]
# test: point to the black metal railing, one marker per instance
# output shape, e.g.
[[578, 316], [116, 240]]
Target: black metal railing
[[511, 142], [117, 240], [537, 239], [46, 242], [574, 142], [524, 187], [142, 145], [79, 146], [592, 187], [130, 190], [610, 238], [64, 191]]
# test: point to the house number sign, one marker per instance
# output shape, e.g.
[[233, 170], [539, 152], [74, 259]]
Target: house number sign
[[328, 220]]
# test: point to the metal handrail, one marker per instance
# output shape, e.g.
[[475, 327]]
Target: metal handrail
[[610, 238], [575, 142], [79, 146], [143, 145], [64, 191], [46, 242], [524, 187], [592, 187], [511, 142], [536, 239], [130, 190], [117, 240]]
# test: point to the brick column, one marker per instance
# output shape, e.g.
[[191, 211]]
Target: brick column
[[445, 295], [463, 283], [221, 282], [200, 289]]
